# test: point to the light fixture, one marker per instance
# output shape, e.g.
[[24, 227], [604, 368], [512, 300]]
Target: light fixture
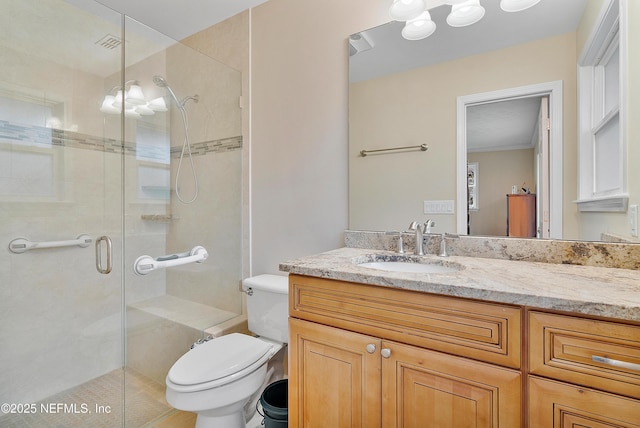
[[463, 12], [131, 98], [517, 5], [467, 13], [107, 105], [131, 112], [405, 10], [158, 104], [419, 28], [135, 95], [144, 110], [117, 100]]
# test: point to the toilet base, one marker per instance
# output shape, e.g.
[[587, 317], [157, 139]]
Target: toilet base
[[234, 420], [255, 421]]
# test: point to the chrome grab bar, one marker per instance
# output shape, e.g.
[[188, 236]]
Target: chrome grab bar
[[147, 264], [616, 363], [22, 245]]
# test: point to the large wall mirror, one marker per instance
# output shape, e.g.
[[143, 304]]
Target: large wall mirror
[[497, 105]]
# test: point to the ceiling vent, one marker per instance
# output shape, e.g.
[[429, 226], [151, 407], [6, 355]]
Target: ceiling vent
[[109, 41]]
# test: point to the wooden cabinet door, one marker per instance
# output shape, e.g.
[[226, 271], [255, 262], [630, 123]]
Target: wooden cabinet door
[[334, 377], [429, 389], [554, 404]]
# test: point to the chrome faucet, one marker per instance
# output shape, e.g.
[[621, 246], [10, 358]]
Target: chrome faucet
[[415, 226]]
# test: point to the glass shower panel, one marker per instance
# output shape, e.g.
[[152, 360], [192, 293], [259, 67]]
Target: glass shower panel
[[61, 321], [183, 190]]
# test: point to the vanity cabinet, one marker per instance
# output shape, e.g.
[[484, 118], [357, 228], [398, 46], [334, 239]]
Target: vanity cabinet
[[368, 356], [592, 369]]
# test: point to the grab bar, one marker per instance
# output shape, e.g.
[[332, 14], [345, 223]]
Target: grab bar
[[422, 147], [146, 264], [22, 245]]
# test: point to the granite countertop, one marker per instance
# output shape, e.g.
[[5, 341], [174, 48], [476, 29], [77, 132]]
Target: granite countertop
[[599, 291]]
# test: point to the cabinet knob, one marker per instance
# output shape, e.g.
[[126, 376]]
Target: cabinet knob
[[371, 348], [385, 352]]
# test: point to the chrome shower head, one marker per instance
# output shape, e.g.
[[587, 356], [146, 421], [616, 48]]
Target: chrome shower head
[[160, 81]]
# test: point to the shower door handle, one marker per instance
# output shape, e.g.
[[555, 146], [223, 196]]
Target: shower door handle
[[107, 268]]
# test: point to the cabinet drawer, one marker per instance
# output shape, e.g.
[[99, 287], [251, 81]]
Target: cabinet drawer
[[600, 354], [482, 331], [554, 404]]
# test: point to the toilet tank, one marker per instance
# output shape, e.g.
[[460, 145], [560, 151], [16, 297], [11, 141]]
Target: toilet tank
[[268, 306]]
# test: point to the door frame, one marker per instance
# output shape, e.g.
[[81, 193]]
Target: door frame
[[551, 89]]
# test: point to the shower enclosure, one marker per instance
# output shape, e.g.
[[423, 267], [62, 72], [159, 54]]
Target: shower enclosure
[[89, 152]]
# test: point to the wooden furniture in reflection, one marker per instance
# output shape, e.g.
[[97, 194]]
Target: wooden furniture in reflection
[[521, 215]]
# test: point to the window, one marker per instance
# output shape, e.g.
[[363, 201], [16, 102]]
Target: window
[[153, 163], [602, 139], [29, 162]]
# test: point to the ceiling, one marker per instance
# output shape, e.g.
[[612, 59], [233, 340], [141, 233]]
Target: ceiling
[[504, 125], [71, 32], [179, 19]]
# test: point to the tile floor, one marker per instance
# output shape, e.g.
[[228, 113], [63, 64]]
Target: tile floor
[[98, 404]]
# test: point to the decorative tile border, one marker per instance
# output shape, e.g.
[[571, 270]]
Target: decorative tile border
[[213, 146], [42, 136]]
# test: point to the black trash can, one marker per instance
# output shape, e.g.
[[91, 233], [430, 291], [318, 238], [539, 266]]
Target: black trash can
[[274, 402]]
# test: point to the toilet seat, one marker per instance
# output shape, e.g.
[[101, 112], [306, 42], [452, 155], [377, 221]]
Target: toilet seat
[[218, 362]]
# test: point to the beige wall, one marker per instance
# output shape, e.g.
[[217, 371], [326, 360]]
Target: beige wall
[[299, 119], [394, 186], [497, 172]]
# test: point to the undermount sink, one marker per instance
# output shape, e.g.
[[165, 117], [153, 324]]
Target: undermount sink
[[410, 265]]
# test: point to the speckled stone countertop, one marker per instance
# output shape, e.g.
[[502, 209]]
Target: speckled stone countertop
[[599, 291]]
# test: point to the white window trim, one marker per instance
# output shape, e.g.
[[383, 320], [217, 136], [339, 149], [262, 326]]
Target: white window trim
[[612, 16]]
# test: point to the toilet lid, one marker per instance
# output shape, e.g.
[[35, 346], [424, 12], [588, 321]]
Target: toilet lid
[[217, 358]]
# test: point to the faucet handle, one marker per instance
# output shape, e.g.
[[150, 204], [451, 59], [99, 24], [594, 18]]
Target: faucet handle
[[443, 243], [400, 247], [443, 246], [428, 225]]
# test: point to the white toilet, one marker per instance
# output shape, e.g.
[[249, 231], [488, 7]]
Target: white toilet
[[220, 379]]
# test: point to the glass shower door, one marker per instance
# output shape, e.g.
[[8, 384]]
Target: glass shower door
[[95, 110], [61, 319]]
